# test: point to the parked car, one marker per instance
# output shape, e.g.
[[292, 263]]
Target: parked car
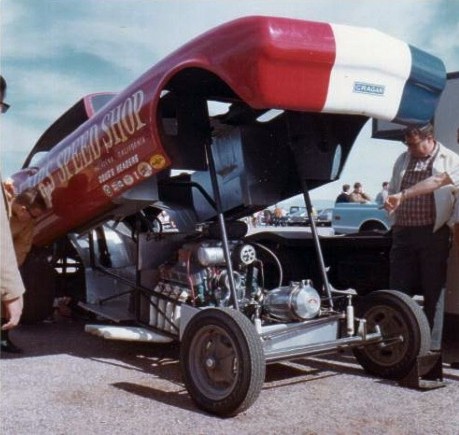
[[352, 217], [324, 217], [296, 219], [296, 208], [301, 218]]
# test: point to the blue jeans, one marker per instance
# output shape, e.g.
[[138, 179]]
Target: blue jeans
[[418, 264]]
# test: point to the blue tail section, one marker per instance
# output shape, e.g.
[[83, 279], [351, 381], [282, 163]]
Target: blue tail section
[[423, 88]]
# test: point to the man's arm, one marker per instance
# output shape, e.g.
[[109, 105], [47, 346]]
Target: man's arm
[[366, 197], [8, 187], [424, 187]]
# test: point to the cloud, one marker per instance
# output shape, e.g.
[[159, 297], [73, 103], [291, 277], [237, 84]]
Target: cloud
[[443, 38]]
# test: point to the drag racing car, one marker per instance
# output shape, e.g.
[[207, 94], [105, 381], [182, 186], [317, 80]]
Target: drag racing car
[[252, 112]]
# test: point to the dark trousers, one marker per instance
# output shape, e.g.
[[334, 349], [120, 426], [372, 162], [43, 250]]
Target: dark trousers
[[418, 264]]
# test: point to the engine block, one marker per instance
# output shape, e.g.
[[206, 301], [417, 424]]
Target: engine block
[[199, 276]]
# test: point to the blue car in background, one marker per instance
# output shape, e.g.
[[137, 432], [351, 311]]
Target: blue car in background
[[353, 217]]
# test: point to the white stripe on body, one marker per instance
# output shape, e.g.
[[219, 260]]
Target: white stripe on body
[[368, 57]]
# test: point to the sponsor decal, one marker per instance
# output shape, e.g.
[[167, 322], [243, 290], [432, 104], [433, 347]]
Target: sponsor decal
[[158, 161], [120, 167], [96, 146], [117, 185], [128, 180], [107, 190], [128, 163], [144, 169], [369, 88], [106, 176]]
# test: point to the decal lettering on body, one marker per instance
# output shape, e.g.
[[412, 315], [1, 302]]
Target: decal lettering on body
[[117, 127], [369, 88]]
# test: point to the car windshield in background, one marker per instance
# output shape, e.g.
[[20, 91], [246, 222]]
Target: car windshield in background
[[325, 214], [301, 218], [298, 218]]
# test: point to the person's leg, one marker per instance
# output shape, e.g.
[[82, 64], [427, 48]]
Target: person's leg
[[434, 248], [434, 307], [404, 269]]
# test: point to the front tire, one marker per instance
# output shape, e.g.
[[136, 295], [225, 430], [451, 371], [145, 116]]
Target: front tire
[[222, 360], [397, 315]]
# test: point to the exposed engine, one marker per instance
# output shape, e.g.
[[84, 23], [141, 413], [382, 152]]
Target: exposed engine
[[201, 272], [199, 276]]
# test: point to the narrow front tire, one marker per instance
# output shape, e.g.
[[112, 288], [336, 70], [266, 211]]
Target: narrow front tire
[[222, 360]]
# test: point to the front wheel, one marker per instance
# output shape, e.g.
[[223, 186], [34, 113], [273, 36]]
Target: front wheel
[[223, 362], [405, 331]]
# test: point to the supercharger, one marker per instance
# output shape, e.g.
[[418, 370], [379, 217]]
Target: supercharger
[[199, 276]]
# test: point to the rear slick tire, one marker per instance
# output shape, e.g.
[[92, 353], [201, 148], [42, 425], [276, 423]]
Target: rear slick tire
[[222, 361], [397, 315]]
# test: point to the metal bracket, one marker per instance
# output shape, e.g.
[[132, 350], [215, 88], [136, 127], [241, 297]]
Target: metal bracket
[[426, 374]]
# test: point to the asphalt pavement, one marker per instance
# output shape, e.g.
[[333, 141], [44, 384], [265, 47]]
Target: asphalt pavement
[[70, 382]]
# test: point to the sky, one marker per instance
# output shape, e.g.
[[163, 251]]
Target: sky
[[53, 52]]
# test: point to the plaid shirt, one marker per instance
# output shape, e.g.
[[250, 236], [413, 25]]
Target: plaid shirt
[[420, 210]]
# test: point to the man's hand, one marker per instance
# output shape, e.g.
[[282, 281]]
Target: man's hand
[[8, 185], [12, 311], [393, 201]]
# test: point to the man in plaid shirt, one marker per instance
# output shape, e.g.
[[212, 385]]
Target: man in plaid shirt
[[422, 200]]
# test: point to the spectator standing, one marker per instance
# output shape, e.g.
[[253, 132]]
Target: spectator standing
[[255, 219], [267, 216], [383, 194], [442, 176], [278, 214], [358, 195], [422, 199], [12, 287], [344, 195]]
